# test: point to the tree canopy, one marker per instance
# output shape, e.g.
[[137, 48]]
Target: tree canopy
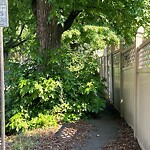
[[52, 17]]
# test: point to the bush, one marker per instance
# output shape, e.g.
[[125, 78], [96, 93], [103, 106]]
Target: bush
[[67, 92], [69, 87]]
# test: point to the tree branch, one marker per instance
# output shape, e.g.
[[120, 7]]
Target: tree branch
[[73, 14], [11, 43], [19, 43]]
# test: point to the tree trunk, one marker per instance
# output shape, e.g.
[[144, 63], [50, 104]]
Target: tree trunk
[[48, 31]]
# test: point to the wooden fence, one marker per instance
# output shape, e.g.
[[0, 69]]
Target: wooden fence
[[127, 72]]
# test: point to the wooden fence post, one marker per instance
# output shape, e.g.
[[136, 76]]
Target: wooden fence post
[[109, 79], [112, 72], [105, 60], [138, 42], [100, 66], [121, 77], [107, 70], [139, 36]]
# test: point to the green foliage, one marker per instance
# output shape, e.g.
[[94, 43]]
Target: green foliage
[[146, 22], [122, 16], [69, 89], [18, 122], [20, 34], [93, 37], [75, 91], [43, 121], [27, 96]]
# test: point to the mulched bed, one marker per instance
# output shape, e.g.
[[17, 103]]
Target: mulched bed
[[125, 140]]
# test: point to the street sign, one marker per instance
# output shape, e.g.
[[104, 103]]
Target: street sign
[[3, 2], [4, 13]]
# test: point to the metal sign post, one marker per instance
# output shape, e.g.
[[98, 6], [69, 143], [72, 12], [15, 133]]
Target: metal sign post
[[3, 23], [2, 91]]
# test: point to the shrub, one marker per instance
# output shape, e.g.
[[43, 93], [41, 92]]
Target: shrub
[[68, 88], [68, 93]]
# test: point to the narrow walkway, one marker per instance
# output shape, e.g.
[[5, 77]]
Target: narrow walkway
[[105, 128]]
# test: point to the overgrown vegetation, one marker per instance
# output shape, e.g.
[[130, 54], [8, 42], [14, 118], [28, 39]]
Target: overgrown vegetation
[[68, 89]]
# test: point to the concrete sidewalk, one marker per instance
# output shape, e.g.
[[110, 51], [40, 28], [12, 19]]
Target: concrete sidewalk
[[105, 128]]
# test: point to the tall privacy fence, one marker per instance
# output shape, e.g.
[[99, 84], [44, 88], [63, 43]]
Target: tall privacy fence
[[127, 72]]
